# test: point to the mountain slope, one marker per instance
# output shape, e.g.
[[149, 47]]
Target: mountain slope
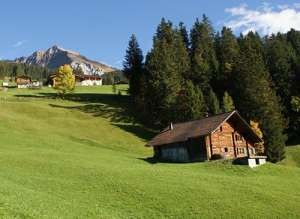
[[82, 158], [56, 56]]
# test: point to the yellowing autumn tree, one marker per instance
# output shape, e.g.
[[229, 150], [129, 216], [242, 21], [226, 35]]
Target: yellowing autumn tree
[[259, 146], [64, 80]]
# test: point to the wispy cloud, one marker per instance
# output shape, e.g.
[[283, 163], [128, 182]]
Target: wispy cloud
[[19, 43], [266, 19]]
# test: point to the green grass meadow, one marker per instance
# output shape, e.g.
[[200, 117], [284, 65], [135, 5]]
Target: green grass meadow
[[84, 157]]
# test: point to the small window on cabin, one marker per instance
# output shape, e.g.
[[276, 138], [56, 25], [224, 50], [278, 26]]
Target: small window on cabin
[[241, 150], [225, 150], [221, 129], [239, 138]]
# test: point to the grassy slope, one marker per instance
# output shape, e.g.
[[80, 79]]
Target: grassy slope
[[84, 159]]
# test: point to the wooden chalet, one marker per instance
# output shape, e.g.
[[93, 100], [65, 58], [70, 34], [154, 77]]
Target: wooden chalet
[[225, 135], [23, 81]]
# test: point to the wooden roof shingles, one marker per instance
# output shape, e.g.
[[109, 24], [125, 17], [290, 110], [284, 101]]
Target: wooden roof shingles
[[181, 132]]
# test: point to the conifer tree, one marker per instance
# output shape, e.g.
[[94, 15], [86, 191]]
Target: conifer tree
[[133, 67], [163, 79], [280, 58], [204, 64], [191, 103], [181, 57], [227, 103], [227, 50], [256, 99], [184, 35], [213, 103]]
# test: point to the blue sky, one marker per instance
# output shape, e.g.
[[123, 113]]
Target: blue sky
[[100, 29]]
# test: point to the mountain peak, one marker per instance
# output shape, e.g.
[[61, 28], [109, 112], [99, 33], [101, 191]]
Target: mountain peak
[[56, 56]]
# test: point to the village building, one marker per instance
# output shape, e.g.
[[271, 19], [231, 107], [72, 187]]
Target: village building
[[23, 81], [89, 80], [81, 80], [225, 135]]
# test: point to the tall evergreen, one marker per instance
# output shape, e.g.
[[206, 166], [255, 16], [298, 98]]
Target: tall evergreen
[[204, 64], [133, 67], [184, 34], [191, 103], [227, 103], [256, 100], [293, 37], [163, 79], [213, 103], [280, 58], [227, 50], [181, 57]]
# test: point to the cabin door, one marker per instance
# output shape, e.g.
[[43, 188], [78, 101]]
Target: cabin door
[[197, 149]]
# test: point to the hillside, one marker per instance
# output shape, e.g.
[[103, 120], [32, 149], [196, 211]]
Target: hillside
[[292, 156], [84, 158], [55, 57]]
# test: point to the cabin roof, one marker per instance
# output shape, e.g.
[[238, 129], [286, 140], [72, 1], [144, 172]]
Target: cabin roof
[[181, 132]]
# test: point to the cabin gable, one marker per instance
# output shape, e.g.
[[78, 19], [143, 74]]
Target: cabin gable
[[229, 142]]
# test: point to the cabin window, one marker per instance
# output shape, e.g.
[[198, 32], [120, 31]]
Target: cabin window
[[241, 151], [221, 129], [239, 138], [225, 150]]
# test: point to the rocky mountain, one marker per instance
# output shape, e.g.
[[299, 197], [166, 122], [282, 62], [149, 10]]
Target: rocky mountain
[[56, 56]]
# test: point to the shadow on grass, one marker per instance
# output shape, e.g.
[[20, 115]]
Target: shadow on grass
[[116, 108]]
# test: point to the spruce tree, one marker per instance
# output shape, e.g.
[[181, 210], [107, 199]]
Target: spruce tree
[[191, 103], [213, 103], [280, 58], [181, 57], [163, 79], [227, 50], [227, 103], [204, 64], [184, 35], [256, 100], [133, 67]]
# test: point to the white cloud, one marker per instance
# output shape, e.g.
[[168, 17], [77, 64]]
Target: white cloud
[[266, 19], [19, 43]]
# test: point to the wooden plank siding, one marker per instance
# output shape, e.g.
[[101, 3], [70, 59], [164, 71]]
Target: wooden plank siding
[[229, 143]]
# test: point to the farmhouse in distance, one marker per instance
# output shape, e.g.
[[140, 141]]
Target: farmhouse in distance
[[227, 135]]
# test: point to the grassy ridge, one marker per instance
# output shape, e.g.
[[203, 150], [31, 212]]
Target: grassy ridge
[[84, 157]]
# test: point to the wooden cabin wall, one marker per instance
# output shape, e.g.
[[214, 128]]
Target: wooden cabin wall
[[176, 152], [229, 142]]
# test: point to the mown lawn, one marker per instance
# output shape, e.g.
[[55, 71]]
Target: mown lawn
[[84, 157]]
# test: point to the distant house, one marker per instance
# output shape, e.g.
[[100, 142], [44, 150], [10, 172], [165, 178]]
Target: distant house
[[23, 81], [225, 135], [89, 80], [5, 84], [81, 80]]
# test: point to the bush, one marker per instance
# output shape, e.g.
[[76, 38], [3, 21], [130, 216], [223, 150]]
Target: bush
[[217, 157]]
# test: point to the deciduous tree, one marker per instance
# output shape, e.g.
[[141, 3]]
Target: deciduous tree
[[64, 80]]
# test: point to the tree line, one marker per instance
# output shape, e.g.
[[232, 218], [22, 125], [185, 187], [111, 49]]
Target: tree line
[[12, 70], [191, 74]]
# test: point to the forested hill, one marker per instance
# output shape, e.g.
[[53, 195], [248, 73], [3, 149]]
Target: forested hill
[[191, 73], [12, 69]]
